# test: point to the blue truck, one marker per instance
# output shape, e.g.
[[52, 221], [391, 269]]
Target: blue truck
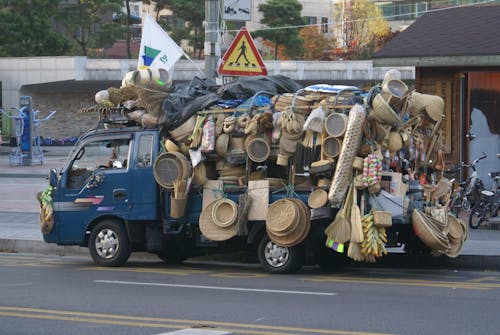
[[106, 198]]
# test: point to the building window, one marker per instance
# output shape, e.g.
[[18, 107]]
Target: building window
[[173, 22], [324, 25], [311, 19]]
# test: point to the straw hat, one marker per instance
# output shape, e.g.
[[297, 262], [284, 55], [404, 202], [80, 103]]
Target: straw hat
[[336, 124], [222, 229], [432, 104], [317, 198], [382, 112], [170, 146], [222, 144], [258, 149], [331, 146]]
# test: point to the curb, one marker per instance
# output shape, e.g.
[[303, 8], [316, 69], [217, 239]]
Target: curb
[[393, 260]]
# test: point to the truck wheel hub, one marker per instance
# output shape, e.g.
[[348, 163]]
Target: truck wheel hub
[[276, 255], [107, 243]]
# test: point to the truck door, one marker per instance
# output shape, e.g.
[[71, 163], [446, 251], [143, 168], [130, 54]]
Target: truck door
[[96, 182], [144, 192]]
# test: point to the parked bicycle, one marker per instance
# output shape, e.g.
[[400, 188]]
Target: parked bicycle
[[487, 206], [468, 191]]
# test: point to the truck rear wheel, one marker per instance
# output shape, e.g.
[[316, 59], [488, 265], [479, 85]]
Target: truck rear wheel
[[109, 244], [278, 259]]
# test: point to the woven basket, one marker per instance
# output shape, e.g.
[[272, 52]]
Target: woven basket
[[317, 198], [350, 146], [258, 149], [382, 219], [382, 112], [184, 130], [428, 235], [331, 146], [336, 124], [224, 213], [178, 207], [167, 169]]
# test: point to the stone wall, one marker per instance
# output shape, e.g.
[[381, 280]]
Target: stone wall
[[67, 122]]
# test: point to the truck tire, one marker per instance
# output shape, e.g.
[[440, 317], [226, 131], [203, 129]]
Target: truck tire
[[277, 259], [109, 244]]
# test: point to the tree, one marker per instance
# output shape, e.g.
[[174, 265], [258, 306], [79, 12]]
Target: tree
[[360, 23], [315, 43], [193, 12], [283, 13], [85, 22], [26, 30]]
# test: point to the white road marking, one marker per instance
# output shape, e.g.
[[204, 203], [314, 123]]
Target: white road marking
[[192, 331], [214, 287]]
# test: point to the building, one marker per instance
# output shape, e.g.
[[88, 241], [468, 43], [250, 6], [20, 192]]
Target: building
[[457, 56]]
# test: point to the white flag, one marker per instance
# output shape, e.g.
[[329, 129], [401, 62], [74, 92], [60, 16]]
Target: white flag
[[158, 50]]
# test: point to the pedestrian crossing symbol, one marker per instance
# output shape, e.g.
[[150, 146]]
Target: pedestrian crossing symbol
[[242, 58]]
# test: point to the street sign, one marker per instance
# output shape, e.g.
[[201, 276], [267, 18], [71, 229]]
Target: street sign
[[242, 58], [237, 10]]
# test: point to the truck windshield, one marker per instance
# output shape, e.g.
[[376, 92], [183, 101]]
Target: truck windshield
[[104, 154]]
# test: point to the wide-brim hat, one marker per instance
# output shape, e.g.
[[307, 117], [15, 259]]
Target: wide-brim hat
[[317, 198], [457, 234], [382, 112], [224, 227], [258, 149], [336, 124]]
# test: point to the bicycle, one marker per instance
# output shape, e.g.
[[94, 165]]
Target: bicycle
[[488, 204], [467, 192]]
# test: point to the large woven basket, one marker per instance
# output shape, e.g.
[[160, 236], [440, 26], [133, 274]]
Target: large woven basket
[[435, 240], [169, 167], [336, 124], [350, 146]]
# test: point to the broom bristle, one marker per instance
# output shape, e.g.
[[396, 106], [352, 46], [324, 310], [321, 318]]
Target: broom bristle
[[354, 252], [356, 225]]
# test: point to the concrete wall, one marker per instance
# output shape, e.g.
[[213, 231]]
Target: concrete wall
[[17, 73]]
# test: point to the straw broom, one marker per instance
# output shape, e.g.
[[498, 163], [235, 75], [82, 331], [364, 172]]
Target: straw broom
[[340, 229], [356, 226]]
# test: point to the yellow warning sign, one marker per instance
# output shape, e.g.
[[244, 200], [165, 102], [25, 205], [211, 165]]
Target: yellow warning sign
[[242, 58]]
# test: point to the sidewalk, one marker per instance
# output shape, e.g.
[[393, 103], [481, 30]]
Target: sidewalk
[[19, 230]]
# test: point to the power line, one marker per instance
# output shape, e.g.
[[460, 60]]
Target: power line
[[368, 19]]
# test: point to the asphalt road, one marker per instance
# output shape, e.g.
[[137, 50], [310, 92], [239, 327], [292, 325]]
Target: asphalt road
[[61, 295]]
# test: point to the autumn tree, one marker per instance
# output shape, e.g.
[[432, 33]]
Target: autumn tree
[[315, 42], [283, 13], [360, 23]]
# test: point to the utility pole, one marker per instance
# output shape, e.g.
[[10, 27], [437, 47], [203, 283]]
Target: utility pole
[[212, 52]]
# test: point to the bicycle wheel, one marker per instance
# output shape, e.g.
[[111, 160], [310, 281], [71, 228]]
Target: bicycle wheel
[[477, 215]]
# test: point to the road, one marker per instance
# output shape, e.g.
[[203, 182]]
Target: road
[[62, 295]]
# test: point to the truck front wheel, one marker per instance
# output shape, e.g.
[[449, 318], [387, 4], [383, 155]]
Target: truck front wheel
[[277, 259], [109, 244]]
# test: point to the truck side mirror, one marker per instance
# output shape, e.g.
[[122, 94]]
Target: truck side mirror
[[53, 178]]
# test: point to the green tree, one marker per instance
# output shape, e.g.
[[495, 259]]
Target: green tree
[[360, 24], [89, 22], [193, 12], [283, 13], [26, 30]]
